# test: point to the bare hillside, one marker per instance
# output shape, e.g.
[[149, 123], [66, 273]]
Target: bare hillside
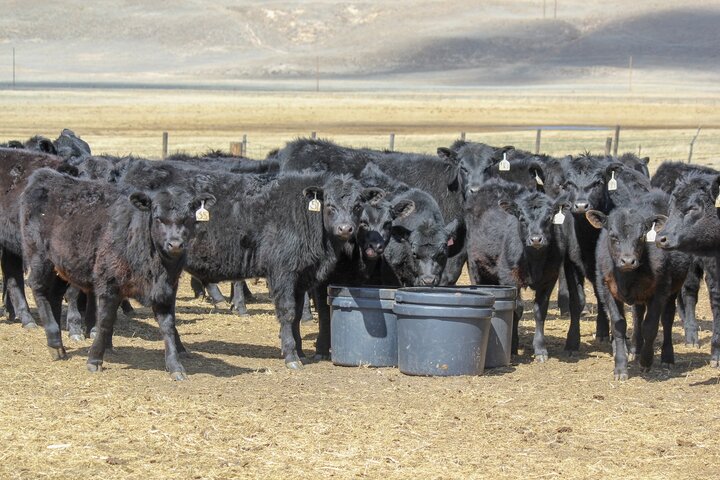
[[458, 42]]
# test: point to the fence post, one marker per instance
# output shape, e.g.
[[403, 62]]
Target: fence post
[[537, 141], [165, 145], [462, 136], [608, 146], [392, 142], [313, 135], [243, 152], [617, 140], [236, 149], [692, 144], [639, 149]]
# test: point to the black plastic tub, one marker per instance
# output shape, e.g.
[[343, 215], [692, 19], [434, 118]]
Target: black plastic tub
[[363, 327], [500, 337], [442, 331]]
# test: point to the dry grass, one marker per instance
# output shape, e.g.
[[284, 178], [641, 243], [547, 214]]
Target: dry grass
[[126, 121], [242, 414]]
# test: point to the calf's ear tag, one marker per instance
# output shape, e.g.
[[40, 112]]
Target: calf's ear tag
[[538, 180], [504, 165], [202, 215], [314, 205], [612, 183], [717, 201], [651, 234], [559, 217]]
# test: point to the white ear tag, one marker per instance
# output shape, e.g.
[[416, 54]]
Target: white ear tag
[[651, 234], [314, 205], [717, 201], [559, 217], [504, 165], [538, 180], [612, 183], [202, 215]]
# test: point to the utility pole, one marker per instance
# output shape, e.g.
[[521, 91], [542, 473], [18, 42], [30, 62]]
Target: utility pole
[[544, 2], [13, 68], [630, 67], [555, 11]]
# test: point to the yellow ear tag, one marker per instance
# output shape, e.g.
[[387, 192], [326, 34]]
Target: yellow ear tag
[[202, 215], [651, 234], [538, 180], [559, 217], [504, 165], [612, 183], [314, 205]]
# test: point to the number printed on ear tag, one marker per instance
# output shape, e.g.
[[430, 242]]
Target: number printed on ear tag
[[504, 165], [651, 234], [202, 215], [612, 183], [314, 205], [559, 217]]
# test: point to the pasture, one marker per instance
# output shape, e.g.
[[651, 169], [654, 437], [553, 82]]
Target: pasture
[[242, 414]]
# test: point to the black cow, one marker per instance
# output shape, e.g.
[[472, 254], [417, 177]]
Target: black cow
[[476, 163], [632, 270], [521, 238], [693, 226], [666, 177], [436, 176], [587, 180], [17, 167], [109, 244]]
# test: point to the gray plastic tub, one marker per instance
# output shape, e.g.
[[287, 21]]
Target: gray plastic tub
[[500, 337], [442, 331], [363, 327]]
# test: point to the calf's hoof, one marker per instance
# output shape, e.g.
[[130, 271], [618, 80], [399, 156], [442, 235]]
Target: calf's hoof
[[631, 356], [666, 365], [178, 376], [29, 325], [77, 337], [319, 357], [621, 376], [94, 367], [93, 333], [294, 365], [694, 344], [242, 312], [57, 353], [602, 338], [541, 357]]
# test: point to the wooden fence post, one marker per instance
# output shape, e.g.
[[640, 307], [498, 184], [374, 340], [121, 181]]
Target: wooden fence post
[[236, 149], [617, 141], [243, 151], [608, 146], [462, 136], [313, 135], [165, 145], [692, 144], [392, 142], [537, 141]]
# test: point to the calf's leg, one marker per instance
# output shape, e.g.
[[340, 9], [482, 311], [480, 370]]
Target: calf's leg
[[12, 268]]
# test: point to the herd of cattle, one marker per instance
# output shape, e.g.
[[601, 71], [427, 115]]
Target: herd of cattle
[[97, 230]]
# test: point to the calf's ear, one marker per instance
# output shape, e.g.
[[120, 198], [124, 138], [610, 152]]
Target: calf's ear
[[313, 192], [596, 218], [451, 228], [206, 199], [402, 209], [372, 195], [141, 201], [448, 156], [508, 207], [658, 220], [613, 167], [645, 160], [452, 163]]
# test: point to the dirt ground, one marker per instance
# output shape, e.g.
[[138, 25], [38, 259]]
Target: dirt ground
[[243, 414]]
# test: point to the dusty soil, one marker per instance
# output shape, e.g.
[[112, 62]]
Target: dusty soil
[[242, 414]]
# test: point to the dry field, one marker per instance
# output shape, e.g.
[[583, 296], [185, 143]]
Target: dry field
[[243, 415], [662, 123]]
